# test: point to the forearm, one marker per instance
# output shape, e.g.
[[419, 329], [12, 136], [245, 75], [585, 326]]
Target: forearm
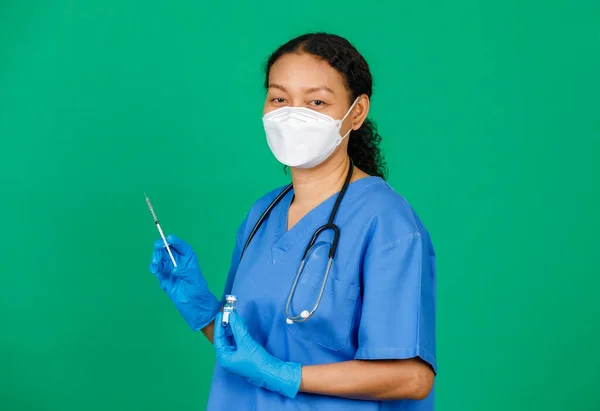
[[209, 331], [369, 380]]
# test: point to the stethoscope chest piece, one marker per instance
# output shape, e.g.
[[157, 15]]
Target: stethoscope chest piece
[[305, 315]]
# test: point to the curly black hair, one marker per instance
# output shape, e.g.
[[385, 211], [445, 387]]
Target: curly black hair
[[363, 145]]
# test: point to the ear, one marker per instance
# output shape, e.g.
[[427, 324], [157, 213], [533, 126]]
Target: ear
[[360, 111]]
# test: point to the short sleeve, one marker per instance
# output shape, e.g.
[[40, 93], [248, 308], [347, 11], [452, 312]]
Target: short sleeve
[[398, 306], [235, 259]]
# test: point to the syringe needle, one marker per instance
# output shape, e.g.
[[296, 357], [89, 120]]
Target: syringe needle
[[160, 230]]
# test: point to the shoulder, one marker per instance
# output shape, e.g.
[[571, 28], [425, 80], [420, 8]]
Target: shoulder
[[388, 214], [263, 202], [257, 209]]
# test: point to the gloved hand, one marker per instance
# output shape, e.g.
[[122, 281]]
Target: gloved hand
[[184, 284], [246, 358]]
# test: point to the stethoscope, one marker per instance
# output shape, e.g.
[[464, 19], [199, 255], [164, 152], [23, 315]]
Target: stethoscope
[[330, 225]]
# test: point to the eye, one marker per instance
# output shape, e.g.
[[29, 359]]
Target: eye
[[318, 103], [278, 100]]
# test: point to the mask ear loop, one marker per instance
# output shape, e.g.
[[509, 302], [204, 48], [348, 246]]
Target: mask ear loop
[[344, 118]]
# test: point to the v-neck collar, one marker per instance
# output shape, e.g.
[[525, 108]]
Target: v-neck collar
[[316, 217]]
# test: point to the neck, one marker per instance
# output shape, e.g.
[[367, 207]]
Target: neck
[[313, 186]]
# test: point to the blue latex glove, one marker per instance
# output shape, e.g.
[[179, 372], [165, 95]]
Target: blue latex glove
[[184, 284], [239, 354]]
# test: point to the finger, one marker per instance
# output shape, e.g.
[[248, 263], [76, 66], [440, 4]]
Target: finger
[[158, 244], [165, 258], [220, 340], [229, 335], [172, 284], [218, 332], [154, 268], [238, 326], [180, 246], [157, 263], [157, 256], [165, 283], [188, 274]]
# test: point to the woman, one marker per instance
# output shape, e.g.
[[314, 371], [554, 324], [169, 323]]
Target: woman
[[370, 342]]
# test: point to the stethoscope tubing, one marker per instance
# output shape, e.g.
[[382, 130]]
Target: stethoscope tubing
[[330, 225]]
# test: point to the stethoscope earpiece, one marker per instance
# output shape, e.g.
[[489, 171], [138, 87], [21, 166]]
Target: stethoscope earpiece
[[304, 315]]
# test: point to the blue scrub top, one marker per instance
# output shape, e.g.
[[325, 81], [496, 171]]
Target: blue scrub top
[[379, 301]]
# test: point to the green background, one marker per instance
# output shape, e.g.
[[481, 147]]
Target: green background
[[490, 115]]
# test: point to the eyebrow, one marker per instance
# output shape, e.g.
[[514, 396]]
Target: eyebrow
[[309, 90]]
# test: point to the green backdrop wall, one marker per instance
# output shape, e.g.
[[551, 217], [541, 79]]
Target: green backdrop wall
[[490, 117]]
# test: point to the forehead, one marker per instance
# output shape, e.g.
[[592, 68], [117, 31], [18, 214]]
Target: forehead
[[301, 70]]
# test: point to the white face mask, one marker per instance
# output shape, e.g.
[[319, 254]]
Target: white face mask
[[302, 138]]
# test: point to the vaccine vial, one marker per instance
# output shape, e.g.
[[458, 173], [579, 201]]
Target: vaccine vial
[[229, 307]]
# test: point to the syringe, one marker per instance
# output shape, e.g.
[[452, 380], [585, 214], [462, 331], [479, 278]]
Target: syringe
[[159, 229]]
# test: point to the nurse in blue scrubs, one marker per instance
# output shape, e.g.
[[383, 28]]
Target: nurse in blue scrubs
[[351, 332]]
